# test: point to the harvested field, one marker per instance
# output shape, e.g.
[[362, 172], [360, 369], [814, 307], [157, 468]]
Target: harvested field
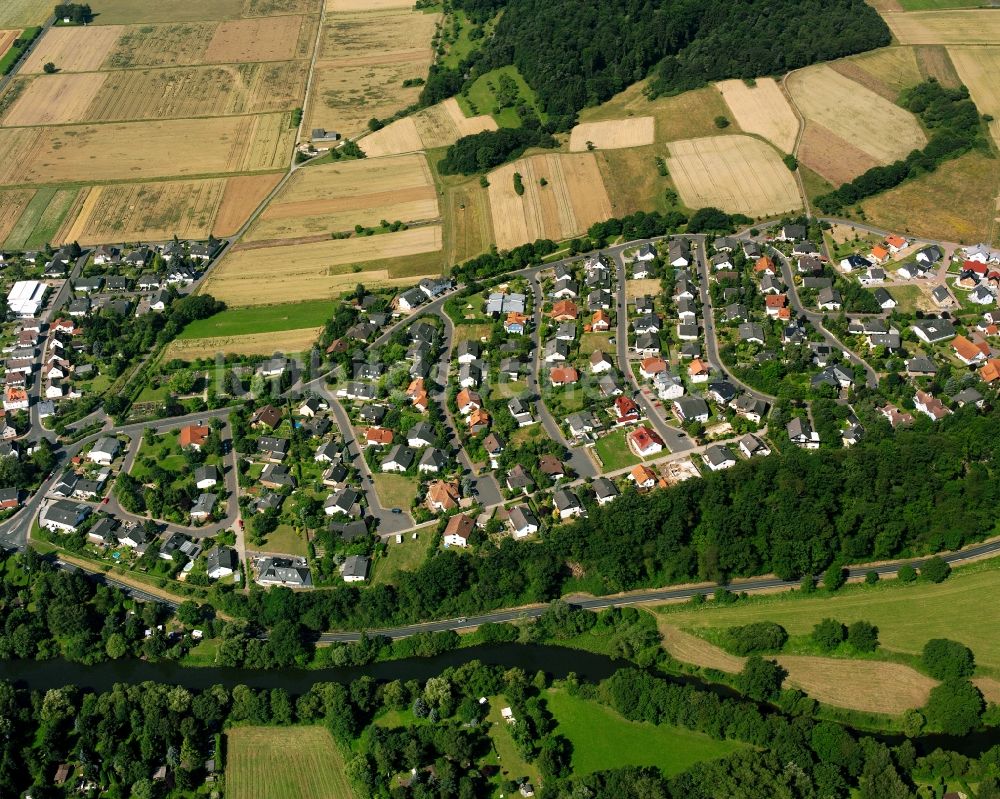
[[74, 49], [830, 156], [401, 136], [147, 211], [873, 686], [42, 219], [968, 26], [738, 174], [266, 8], [261, 39], [7, 38], [85, 153], [470, 232], [177, 45], [935, 63], [125, 11], [286, 341], [363, 61], [855, 73], [979, 70], [197, 91], [270, 763], [12, 205], [762, 109], [438, 126], [871, 123], [956, 202], [989, 687], [683, 116], [612, 134], [339, 6], [319, 269], [55, 99], [336, 197], [240, 198], [632, 180], [573, 199], [892, 69], [23, 13]]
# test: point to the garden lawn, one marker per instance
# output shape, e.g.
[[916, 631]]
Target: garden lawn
[[614, 452], [602, 739], [405, 557], [908, 297], [261, 319], [396, 490], [286, 541], [907, 615]]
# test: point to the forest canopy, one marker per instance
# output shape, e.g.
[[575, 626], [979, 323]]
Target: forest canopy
[[576, 53]]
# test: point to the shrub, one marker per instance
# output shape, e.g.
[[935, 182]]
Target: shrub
[[935, 569], [906, 574], [829, 634], [760, 636], [947, 660], [863, 636]]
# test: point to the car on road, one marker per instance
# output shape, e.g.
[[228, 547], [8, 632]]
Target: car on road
[[397, 510], [105, 500]]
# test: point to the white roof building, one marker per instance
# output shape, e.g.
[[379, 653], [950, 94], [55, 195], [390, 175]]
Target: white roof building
[[25, 298]]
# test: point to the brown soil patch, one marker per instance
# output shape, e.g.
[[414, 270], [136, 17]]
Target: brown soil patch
[[55, 99], [851, 70], [870, 685], [74, 49], [240, 198], [261, 39], [934, 62], [830, 156], [697, 651]]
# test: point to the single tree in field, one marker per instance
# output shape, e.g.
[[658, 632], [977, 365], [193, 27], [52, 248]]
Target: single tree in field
[[49, 68]]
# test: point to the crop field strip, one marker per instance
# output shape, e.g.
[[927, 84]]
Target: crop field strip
[[738, 174], [886, 71], [856, 114], [979, 70], [363, 59], [301, 762], [150, 94], [145, 150], [7, 38], [286, 341], [952, 27], [438, 126], [321, 269], [24, 13], [832, 157], [762, 109], [573, 198], [612, 134], [336, 197]]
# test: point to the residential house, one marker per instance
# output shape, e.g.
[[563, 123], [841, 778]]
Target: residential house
[[458, 531], [668, 386], [521, 412], [854, 262], [519, 479], [272, 449], [432, 461], [564, 311], [922, 366], [650, 367], [64, 516], [698, 371], [678, 253], [221, 562], [895, 416], [355, 569], [829, 299], [206, 476], [604, 491], [884, 299], [642, 476], [752, 333], [193, 436], [399, 459], [600, 362], [268, 417], [346, 501], [551, 466], [563, 375], [567, 504], [719, 457], [203, 507], [276, 476], [644, 442], [751, 446], [801, 434], [523, 521], [691, 409], [442, 496], [105, 450], [933, 331], [930, 406], [969, 353], [288, 571], [722, 391]]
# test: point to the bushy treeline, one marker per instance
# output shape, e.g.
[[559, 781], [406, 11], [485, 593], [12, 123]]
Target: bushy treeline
[[575, 54], [481, 152], [955, 128]]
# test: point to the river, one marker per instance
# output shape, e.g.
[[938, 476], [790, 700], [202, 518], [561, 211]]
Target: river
[[557, 661]]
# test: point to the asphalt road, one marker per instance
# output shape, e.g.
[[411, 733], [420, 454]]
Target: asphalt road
[[675, 438], [711, 336], [816, 319]]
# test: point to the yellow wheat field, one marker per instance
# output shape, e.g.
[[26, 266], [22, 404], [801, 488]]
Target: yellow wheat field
[[738, 174], [286, 341], [612, 134], [258, 39], [74, 49], [400, 136], [871, 123], [896, 67], [290, 273], [240, 198], [573, 198], [55, 99], [150, 211], [131, 150], [958, 26], [344, 6], [12, 205], [133, 11], [762, 109], [23, 13], [336, 197], [979, 69], [7, 38]]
